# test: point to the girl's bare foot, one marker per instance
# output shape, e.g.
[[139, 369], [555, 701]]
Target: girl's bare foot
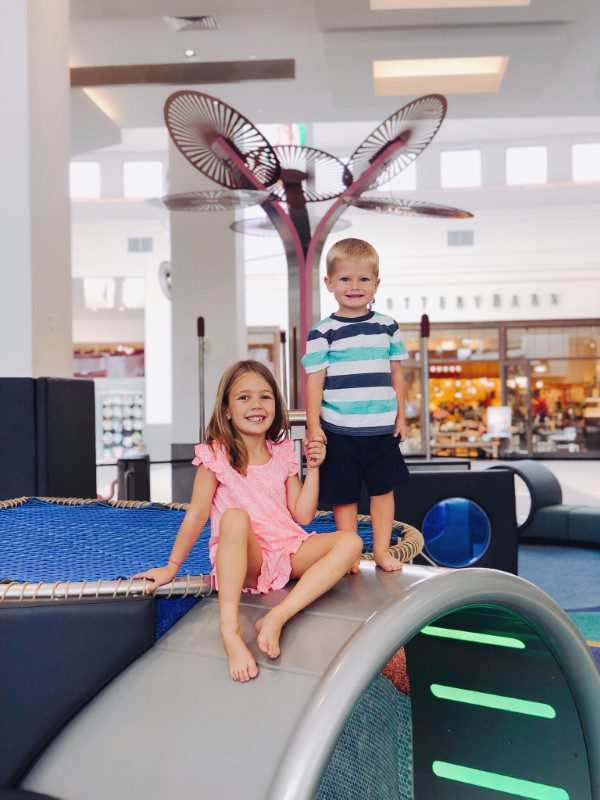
[[387, 561], [268, 631], [242, 666]]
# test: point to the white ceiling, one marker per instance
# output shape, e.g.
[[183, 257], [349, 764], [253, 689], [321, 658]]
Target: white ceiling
[[553, 71]]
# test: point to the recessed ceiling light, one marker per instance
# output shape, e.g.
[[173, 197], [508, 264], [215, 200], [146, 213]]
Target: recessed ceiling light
[[397, 5], [445, 75], [189, 53]]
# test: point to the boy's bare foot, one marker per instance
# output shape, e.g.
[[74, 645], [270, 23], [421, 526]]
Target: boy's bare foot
[[242, 666], [268, 631], [387, 561], [354, 568]]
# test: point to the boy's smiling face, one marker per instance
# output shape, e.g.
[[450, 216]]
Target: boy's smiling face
[[353, 284]]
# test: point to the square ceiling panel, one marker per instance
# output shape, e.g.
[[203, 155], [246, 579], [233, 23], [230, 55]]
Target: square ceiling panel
[[445, 75]]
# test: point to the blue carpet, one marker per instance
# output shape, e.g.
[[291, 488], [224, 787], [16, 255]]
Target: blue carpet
[[570, 575]]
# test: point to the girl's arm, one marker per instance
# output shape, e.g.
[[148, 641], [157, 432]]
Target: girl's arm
[[205, 484], [399, 385], [302, 498]]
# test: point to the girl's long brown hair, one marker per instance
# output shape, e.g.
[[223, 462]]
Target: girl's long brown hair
[[221, 430]]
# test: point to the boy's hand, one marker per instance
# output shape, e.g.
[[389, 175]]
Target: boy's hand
[[315, 454], [315, 434], [400, 429]]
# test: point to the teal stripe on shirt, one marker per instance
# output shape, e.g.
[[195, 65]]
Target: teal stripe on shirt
[[314, 359], [363, 406], [397, 349], [358, 354]]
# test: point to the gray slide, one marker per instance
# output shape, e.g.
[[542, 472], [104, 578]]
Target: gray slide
[[504, 693]]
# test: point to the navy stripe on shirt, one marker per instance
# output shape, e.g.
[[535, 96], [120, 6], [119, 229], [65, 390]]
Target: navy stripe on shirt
[[357, 329], [358, 380]]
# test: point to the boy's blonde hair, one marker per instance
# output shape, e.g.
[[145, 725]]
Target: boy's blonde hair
[[352, 250]]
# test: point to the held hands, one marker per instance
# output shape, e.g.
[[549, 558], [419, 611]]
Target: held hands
[[314, 436], [159, 576], [315, 453]]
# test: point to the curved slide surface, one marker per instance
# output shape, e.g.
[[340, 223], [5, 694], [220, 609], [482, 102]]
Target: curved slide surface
[[174, 723]]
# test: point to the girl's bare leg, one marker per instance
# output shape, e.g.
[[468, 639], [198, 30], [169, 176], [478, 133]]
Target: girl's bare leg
[[319, 563], [345, 520], [238, 563], [382, 515]]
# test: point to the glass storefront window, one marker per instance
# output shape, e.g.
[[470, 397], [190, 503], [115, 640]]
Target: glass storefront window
[[414, 442], [550, 380], [463, 344], [565, 407], [517, 399], [553, 342]]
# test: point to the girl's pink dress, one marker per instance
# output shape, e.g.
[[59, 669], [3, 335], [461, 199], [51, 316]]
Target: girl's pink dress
[[262, 494]]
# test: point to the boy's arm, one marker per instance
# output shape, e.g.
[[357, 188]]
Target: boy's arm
[[315, 382], [399, 385]]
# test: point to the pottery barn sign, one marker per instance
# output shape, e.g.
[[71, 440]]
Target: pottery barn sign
[[478, 300]]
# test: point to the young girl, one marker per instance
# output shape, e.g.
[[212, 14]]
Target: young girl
[[247, 480]]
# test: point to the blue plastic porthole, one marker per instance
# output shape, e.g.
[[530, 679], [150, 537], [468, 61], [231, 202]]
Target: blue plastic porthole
[[457, 532]]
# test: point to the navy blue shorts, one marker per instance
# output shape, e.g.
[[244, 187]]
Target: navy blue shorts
[[352, 460]]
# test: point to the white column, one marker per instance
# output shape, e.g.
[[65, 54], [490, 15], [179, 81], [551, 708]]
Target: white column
[[35, 270], [208, 281]]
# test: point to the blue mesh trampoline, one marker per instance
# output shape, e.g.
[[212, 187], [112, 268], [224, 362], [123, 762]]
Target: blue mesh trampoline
[[58, 548]]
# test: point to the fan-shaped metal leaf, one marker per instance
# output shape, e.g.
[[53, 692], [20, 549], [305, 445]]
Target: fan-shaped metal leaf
[[321, 175], [392, 203], [212, 200], [261, 226], [195, 120], [415, 124]]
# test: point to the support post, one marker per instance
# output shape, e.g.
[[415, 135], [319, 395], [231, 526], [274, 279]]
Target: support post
[[201, 421], [425, 421]]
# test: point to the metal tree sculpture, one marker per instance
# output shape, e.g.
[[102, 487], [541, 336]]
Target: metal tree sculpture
[[226, 147]]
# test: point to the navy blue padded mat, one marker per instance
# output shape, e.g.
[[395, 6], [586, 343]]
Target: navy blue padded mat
[[45, 541]]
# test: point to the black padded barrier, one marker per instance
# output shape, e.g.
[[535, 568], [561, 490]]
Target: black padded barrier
[[549, 518], [17, 438], [56, 657], [66, 445], [492, 491]]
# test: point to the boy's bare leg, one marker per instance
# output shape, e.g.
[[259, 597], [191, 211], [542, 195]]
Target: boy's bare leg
[[345, 520], [319, 563], [382, 515], [238, 563]]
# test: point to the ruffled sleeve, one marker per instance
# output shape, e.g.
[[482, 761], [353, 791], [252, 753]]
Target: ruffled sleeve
[[288, 457], [212, 457]]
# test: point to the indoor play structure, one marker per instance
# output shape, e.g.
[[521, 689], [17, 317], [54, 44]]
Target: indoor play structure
[[425, 683]]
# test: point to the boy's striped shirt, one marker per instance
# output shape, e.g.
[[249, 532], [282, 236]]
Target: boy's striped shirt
[[358, 396]]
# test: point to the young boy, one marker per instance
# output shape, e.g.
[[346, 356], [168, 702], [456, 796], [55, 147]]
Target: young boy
[[355, 396]]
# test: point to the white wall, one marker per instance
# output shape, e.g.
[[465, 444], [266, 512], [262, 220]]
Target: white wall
[[35, 301]]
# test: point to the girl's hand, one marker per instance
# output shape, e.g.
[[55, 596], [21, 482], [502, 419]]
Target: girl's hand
[[159, 576], [315, 454]]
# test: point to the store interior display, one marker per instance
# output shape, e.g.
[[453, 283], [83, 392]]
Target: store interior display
[[122, 423]]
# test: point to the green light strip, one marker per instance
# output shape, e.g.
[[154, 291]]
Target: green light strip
[[498, 701], [469, 636], [501, 783]]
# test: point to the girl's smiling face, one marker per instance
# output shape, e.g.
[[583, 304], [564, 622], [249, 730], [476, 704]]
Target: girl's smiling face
[[251, 405]]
